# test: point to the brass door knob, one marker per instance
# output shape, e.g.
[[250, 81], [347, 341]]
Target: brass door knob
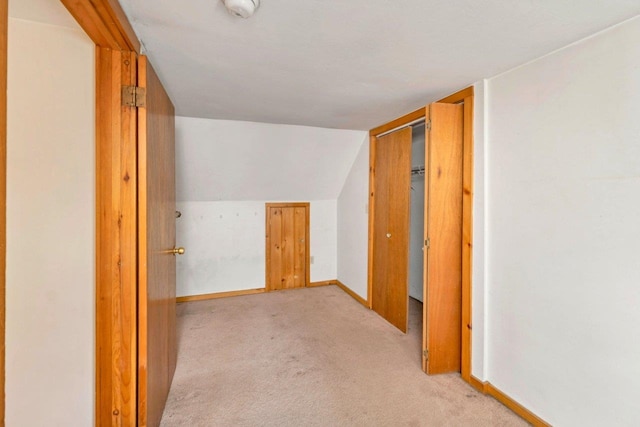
[[177, 251]]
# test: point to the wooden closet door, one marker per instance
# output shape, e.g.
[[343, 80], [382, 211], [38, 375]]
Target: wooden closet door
[[390, 275], [287, 263], [443, 230]]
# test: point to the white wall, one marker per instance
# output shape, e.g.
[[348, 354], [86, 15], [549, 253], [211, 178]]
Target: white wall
[[223, 160], [225, 244], [478, 269], [50, 227], [353, 220], [416, 227], [563, 213], [227, 171]]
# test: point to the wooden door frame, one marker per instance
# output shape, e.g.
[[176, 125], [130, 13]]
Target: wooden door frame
[[4, 26], [117, 48], [307, 206], [465, 96]]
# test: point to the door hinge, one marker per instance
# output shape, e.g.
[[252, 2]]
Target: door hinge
[[134, 96], [427, 243], [425, 354], [427, 125]]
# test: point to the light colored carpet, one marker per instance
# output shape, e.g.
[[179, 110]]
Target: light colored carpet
[[311, 357]]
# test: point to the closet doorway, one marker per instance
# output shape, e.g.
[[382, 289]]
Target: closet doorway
[[432, 228]]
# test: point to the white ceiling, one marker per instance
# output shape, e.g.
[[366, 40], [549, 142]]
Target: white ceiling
[[350, 64]]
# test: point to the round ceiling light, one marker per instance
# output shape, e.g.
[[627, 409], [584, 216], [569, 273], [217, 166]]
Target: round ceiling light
[[242, 8]]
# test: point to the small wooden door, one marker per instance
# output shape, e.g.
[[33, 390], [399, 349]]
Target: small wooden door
[[157, 349], [442, 334], [287, 246], [392, 186]]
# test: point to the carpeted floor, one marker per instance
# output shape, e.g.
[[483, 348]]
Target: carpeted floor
[[311, 357]]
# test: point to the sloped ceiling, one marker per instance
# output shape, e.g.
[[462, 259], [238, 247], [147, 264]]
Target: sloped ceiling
[[221, 160], [348, 64]]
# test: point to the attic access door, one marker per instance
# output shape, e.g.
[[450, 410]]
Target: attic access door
[[287, 246], [390, 269]]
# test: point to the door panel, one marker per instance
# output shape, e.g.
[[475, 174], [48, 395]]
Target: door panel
[[390, 274], [300, 252], [157, 264], [287, 248], [443, 228]]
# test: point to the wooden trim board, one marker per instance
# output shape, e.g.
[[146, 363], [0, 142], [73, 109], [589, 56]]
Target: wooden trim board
[[372, 184], [4, 24], [507, 401], [323, 283], [105, 23], [400, 121], [488, 388], [217, 295], [459, 96], [116, 241], [353, 294]]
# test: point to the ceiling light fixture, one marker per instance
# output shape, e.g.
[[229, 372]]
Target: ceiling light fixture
[[242, 8]]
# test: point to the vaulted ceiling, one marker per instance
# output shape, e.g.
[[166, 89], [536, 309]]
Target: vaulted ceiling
[[345, 64]]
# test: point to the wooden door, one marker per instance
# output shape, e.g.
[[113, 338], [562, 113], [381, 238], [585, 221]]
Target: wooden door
[[287, 246], [443, 230], [157, 239], [390, 276]]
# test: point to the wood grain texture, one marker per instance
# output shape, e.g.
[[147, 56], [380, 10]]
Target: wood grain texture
[[300, 247], [516, 407], [273, 248], [372, 218], [467, 237], [458, 97], [322, 283], [477, 384], [287, 246], [157, 351], [443, 225], [3, 195], [407, 118], [488, 388], [116, 237], [105, 23], [217, 295], [352, 294], [392, 177], [466, 97]]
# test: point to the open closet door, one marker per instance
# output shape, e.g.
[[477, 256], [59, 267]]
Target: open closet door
[[392, 186], [156, 242], [443, 231]]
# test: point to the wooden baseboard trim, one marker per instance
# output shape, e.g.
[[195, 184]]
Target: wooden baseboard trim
[[217, 295], [477, 384], [352, 294], [323, 283], [488, 388]]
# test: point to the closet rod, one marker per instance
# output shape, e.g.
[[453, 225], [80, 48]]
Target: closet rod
[[416, 122]]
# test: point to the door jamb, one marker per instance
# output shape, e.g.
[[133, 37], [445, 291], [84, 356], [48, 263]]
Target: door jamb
[[305, 205], [465, 96], [4, 26], [117, 47]]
